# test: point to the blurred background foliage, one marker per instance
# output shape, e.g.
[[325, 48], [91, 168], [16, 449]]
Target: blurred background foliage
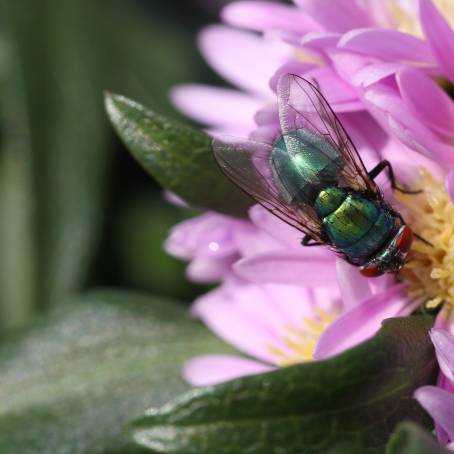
[[76, 211]]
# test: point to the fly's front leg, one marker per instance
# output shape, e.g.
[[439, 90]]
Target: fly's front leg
[[418, 237], [309, 241], [387, 165]]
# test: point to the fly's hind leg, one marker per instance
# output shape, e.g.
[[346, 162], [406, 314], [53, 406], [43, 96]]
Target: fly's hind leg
[[387, 165], [309, 241]]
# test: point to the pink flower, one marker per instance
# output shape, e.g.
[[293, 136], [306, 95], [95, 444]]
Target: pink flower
[[439, 400], [279, 325], [381, 82], [210, 242]]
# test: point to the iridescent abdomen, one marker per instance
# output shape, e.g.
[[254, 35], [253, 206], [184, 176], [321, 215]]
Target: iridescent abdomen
[[354, 224]]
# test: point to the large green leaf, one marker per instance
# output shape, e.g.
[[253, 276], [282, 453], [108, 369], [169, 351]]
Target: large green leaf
[[350, 403], [177, 156], [409, 438], [70, 384]]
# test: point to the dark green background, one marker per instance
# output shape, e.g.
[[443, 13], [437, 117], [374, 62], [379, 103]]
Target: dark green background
[[76, 211]]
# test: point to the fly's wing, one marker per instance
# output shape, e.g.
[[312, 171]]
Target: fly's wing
[[246, 163], [303, 107]]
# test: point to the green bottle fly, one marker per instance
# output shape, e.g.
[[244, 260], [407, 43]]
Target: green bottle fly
[[312, 177]]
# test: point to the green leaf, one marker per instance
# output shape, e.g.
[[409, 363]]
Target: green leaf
[[350, 403], [177, 156], [410, 438], [71, 384]]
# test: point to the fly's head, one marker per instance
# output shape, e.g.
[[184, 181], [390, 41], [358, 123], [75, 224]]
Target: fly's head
[[392, 257]]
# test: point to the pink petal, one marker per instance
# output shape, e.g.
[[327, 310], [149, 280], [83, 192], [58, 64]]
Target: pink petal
[[265, 134], [267, 115], [440, 405], [422, 140], [291, 67], [295, 303], [256, 242], [426, 99], [209, 235], [354, 288], [408, 162], [174, 199], [282, 232], [341, 96], [449, 184], [444, 348], [263, 16], [205, 270], [361, 322], [386, 44], [389, 109], [445, 319], [439, 36], [306, 268], [380, 12], [216, 106], [443, 383], [228, 130], [348, 64], [244, 316], [320, 41], [373, 73], [243, 58], [336, 16], [214, 369], [367, 135]]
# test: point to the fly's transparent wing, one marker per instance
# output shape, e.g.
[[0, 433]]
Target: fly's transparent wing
[[246, 163], [303, 108]]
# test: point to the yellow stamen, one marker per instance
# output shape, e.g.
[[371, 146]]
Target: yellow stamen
[[429, 272], [300, 342], [308, 57]]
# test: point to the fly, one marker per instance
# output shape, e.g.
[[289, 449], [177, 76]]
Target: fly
[[313, 178]]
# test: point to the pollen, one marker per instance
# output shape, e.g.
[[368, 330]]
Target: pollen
[[429, 272], [299, 343]]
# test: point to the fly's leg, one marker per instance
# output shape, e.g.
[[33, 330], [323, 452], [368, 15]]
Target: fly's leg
[[387, 165], [423, 240], [418, 237], [309, 241]]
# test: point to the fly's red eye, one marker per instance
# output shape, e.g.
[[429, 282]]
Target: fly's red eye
[[405, 240], [371, 271]]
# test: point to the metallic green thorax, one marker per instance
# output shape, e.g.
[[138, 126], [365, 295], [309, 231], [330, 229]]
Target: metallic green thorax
[[306, 168], [302, 168]]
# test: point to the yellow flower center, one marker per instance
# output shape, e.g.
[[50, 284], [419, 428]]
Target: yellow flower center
[[300, 342], [429, 272], [406, 17]]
